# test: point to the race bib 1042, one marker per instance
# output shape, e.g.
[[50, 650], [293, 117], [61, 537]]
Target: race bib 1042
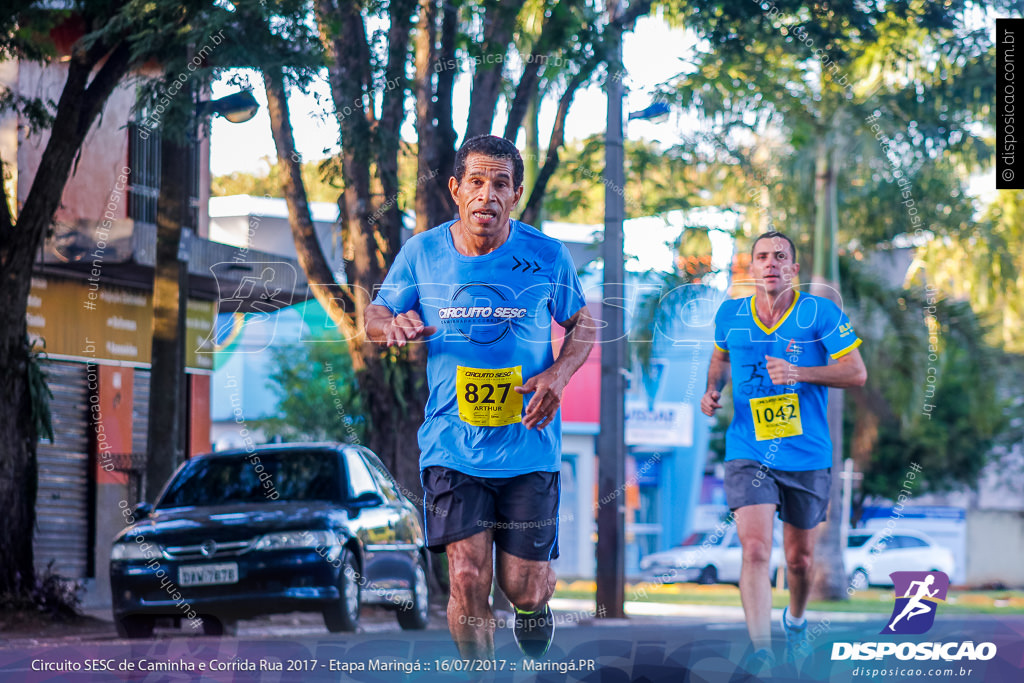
[[776, 417], [486, 396]]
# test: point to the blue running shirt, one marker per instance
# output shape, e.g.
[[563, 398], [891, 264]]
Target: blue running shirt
[[493, 316], [779, 425]]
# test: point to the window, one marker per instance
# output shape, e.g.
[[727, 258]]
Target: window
[[360, 480], [259, 478], [144, 180], [911, 542], [387, 485], [144, 185], [857, 540]]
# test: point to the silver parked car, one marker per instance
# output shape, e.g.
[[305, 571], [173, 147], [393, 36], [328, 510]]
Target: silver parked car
[[870, 556], [712, 556]]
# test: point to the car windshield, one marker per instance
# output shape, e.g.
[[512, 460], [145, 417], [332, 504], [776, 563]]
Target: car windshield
[[857, 540], [256, 478], [699, 538]]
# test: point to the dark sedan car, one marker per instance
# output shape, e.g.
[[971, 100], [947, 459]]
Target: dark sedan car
[[295, 527]]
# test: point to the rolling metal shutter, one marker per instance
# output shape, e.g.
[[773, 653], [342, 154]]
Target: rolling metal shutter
[[140, 426], [140, 412], [62, 502]]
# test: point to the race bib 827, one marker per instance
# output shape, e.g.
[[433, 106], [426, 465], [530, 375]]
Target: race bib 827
[[486, 396]]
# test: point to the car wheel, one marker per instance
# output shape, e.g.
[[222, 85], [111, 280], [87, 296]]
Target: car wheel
[[417, 617], [859, 579], [708, 575], [344, 614], [216, 626], [136, 626]]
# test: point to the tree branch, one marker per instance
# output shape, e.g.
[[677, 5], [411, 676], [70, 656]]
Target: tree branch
[[550, 41], [334, 299], [6, 222], [521, 101], [532, 210], [632, 13], [392, 112], [499, 22]]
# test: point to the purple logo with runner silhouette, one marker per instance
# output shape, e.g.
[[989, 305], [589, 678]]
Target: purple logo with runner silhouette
[[917, 598]]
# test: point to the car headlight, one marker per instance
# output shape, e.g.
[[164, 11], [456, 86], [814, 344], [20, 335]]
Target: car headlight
[[289, 540], [129, 550]]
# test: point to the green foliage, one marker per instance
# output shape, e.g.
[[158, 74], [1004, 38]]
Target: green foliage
[[322, 180], [985, 264], [657, 181], [802, 80], [39, 395], [947, 425], [317, 393], [319, 186]]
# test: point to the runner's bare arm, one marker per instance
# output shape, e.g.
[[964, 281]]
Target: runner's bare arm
[[718, 377], [580, 333], [848, 371], [384, 328]]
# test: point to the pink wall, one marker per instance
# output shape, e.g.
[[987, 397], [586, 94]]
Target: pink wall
[[581, 400], [104, 155]]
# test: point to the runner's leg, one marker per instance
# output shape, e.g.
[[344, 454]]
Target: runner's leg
[[754, 525], [528, 584], [799, 545], [470, 619]]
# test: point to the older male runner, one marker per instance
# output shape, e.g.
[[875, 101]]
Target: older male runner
[[482, 291], [778, 453]]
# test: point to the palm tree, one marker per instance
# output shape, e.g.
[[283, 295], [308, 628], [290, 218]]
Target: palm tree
[[858, 97]]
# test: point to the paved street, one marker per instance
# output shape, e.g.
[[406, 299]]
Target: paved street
[[696, 649]]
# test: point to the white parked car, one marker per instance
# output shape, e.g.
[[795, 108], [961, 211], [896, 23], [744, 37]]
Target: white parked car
[[870, 556], [707, 557]]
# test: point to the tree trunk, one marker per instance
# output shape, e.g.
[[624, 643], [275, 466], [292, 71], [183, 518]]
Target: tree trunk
[[392, 384], [436, 69], [829, 581], [79, 105], [531, 170], [18, 466], [164, 440]]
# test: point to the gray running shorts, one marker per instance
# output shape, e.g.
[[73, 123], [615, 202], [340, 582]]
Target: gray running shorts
[[800, 497]]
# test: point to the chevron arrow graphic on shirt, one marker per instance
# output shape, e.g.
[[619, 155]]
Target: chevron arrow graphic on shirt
[[525, 265]]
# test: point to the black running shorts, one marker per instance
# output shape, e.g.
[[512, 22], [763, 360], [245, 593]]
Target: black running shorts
[[522, 511]]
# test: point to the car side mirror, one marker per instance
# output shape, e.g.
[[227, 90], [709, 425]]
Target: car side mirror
[[367, 499], [142, 511]]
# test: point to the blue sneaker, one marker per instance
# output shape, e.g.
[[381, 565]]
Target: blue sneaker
[[796, 638], [759, 662]]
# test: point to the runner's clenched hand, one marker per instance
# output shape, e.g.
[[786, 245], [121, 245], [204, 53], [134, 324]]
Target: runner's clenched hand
[[547, 387], [781, 371], [709, 402]]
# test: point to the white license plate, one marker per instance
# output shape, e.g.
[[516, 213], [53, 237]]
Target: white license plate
[[208, 574]]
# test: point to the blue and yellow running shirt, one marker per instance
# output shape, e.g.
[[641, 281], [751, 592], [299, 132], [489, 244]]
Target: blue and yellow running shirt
[[493, 316], [783, 426]]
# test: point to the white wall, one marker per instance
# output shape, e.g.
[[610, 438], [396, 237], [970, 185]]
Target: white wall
[[995, 547]]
